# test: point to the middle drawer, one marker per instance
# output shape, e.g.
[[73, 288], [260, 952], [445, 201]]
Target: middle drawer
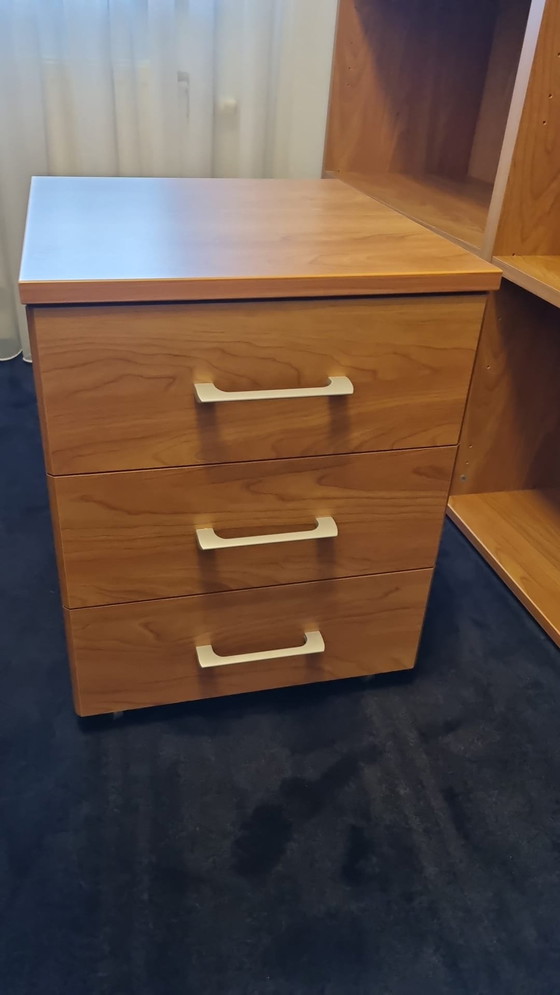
[[147, 534]]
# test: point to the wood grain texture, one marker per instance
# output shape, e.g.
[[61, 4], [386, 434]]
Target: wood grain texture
[[131, 656], [522, 78], [57, 536], [530, 217], [518, 533], [456, 208], [124, 240], [117, 382], [132, 536], [511, 430], [407, 85], [509, 33], [538, 274]]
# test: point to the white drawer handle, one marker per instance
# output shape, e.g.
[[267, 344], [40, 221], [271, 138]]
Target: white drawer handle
[[314, 643], [326, 528], [208, 393]]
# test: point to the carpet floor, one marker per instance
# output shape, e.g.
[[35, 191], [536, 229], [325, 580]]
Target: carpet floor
[[393, 837]]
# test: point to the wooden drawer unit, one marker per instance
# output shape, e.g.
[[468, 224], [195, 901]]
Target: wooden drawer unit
[[129, 656], [118, 383], [250, 395], [166, 533]]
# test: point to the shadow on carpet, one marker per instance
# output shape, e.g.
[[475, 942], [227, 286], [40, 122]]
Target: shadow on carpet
[[392, 837]]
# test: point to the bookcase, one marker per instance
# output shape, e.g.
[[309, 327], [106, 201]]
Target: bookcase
[[450, 113], [421, 92]]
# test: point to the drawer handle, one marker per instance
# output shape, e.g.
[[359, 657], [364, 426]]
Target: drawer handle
[[326, 528], [314, 643], [208, 393]]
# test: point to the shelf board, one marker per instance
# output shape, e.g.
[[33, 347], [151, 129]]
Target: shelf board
[[457, 209], [538, 274], [518, 533]]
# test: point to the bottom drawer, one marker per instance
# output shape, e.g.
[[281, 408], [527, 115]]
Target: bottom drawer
[[134, 655]]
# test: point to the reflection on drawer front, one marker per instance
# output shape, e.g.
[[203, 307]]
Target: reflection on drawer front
[[165, 533], [134, 387], [129, 656]]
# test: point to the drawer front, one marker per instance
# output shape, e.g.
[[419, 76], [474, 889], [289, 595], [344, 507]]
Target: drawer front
[[117, 384], [131, 656], [166, 533]]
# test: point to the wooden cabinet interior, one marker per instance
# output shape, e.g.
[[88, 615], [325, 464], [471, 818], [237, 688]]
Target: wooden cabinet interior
[[506, 490], [419, 103]]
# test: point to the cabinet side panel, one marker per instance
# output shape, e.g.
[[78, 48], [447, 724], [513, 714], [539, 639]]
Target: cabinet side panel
[[530, 217], [37, 378]]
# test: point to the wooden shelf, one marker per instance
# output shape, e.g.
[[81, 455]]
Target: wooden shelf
[[420, 99], [538, 274], [518, 533], [455, 208]]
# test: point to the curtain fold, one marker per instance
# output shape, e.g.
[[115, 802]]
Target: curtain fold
[[154, 88]]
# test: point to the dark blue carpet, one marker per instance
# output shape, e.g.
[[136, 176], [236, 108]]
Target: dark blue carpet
[[396, 837]]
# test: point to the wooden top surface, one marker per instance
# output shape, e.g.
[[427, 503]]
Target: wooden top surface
[[119, 239]]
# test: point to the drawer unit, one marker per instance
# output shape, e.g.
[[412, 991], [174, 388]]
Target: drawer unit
[[156, 652], [250, 395], [165, 533], [119, 384]]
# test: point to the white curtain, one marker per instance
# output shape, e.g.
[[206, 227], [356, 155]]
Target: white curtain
[[154, 87]]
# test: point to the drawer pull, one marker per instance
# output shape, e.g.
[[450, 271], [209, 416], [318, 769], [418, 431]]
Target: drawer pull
[[326, 528], [314, 643], [208, 393]]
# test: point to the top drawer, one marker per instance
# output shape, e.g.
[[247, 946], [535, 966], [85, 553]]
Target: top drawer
[[117, 383]]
